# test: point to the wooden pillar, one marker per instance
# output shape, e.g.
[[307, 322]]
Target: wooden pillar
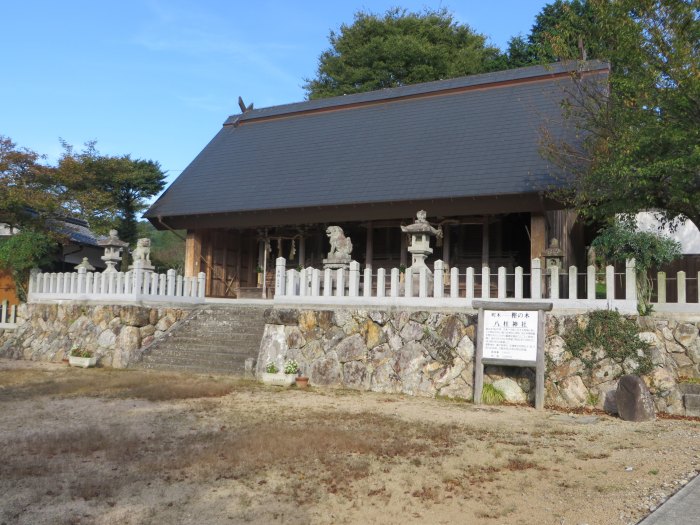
[[404, 250], [446, 245], [193, 253], [369, 245], [485, 242], [538, 235]]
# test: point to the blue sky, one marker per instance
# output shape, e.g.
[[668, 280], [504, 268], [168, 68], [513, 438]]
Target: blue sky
[[156, 78]]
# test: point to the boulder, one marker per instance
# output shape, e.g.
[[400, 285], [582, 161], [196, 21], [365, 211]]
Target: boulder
[[511, 390], [283, 316], [633, 399]]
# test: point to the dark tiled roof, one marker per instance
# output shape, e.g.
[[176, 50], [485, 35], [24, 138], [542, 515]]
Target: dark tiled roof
[[471, 136], [77, 230]]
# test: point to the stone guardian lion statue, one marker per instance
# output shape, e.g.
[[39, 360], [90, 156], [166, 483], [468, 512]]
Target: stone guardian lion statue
[[142, 252], [341, 246]]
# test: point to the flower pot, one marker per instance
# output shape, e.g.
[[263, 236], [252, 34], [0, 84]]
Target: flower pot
[[278, 379], [302, 382], [83, 362]]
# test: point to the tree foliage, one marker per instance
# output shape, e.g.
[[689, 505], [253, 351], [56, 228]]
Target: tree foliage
[[167, 247], [25, 183], [641, 139], [107, 190], [396, 49], [621, 241], [26, 250]]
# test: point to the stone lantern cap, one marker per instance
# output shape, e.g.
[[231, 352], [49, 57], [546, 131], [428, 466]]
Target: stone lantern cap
[[113, 241], [554, 250], [421, 225]]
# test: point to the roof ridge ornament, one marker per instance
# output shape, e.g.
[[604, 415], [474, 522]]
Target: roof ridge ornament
[[244, 108]]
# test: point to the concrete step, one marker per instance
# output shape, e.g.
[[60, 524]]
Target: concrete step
[[195, 369], [216, 340]]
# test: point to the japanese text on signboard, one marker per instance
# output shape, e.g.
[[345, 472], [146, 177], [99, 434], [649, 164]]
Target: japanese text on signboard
[[510, 335]]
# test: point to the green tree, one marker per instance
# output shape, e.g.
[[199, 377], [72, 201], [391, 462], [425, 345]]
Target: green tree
[[109, 190], [396, 49], [640, 147], [28, 188], [26, 250], [621, 241]]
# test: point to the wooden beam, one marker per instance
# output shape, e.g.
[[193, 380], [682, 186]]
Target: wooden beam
[[446, 244]]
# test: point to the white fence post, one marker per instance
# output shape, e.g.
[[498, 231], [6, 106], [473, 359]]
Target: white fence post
[[536, 279], [408, 282], [354, 279], [178, 286], [438, 279], [340, 282], [316, 282], [381, 282], [201, 288], [394, 290], [610, 282], [82, 274], [367, 283], [631, 280], [302, 283], [554, 282], [423, 282], [573, 283], [485, 282], [327, 282], [661, 285], [590, 282], [681, 287], [171, 276], [470, 283], [454, 282], [501, 282], [518, 282]]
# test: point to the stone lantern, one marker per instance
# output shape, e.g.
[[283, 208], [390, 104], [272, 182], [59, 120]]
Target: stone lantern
[[554, 255], [420, 231], [113, 247]]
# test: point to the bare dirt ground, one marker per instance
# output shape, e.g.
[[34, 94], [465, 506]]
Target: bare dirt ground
[[134, 447]]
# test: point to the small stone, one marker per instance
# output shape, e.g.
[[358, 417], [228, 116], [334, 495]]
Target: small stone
[[629, 469]]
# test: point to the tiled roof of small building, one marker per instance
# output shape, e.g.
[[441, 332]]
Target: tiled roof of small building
[[466, 137]]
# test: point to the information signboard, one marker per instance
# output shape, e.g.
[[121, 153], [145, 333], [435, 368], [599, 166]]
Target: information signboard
[[510, 335]]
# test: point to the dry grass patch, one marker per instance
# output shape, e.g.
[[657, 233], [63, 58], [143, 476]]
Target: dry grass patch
[[139, 384]]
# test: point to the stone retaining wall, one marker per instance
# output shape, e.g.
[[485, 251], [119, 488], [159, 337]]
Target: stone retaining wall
[[432, 354], [116, 333]]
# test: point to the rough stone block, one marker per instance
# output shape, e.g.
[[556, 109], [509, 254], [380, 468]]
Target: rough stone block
[[634, 401]]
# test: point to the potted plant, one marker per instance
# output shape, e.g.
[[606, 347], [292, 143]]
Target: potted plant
[[273, 376], [81, 358]]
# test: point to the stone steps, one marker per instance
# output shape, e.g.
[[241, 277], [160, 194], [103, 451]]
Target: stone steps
[[212, 340], [691, 398]]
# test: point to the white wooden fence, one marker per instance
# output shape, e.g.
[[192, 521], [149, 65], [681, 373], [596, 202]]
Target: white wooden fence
[[454, 288], [8, 315], [133, 286]]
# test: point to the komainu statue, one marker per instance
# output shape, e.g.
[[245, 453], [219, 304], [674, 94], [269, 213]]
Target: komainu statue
[[341, 246]]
